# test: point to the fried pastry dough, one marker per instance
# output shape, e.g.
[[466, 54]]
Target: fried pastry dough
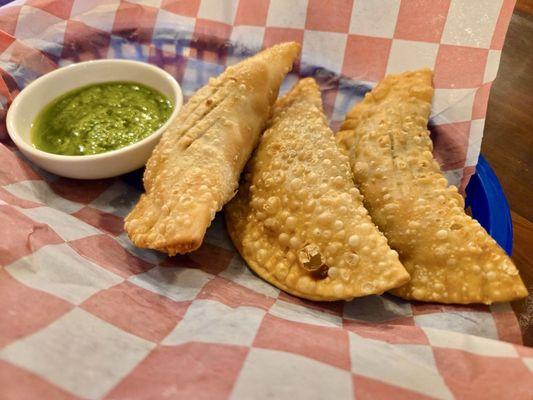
[[450, 257], [195, 168], [298, 219]]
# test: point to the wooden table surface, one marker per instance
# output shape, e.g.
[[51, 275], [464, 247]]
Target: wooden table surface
[[508, 146]]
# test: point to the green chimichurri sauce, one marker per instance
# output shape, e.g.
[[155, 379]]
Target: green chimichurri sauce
[[99, 118]]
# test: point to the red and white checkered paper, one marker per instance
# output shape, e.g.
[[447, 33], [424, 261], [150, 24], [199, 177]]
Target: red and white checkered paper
[[85, 314]]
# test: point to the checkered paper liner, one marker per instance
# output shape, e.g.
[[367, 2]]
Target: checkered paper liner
[[85, 314]]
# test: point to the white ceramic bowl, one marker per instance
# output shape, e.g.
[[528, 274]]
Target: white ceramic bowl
[[43, 90]]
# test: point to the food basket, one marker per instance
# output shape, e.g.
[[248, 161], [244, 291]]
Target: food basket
[[91, 316], [488, 204]]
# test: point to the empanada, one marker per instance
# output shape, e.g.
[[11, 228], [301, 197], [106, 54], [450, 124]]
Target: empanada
[[450, 257], [195, 168], [298, 219]]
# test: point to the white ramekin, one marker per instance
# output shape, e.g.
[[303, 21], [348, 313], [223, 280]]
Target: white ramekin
[[43, 90]]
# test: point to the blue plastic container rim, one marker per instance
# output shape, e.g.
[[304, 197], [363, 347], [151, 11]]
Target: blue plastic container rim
[[485, 197]]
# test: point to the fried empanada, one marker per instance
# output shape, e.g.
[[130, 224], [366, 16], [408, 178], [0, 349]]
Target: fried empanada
[[195, 168], [298, 219], [450, 257]]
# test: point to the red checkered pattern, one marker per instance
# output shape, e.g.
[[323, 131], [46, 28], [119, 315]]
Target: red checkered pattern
[[138, 325], [363, 40], [85, 314]]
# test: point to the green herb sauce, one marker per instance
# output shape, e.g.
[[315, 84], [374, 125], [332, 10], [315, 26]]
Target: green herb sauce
[[99, 118]]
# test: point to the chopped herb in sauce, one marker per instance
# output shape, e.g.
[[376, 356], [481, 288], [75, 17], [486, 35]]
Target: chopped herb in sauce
[[99, 118]]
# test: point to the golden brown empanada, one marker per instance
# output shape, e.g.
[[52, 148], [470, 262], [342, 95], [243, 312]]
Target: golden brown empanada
[[298, 219], [195, 168], [450, 257]]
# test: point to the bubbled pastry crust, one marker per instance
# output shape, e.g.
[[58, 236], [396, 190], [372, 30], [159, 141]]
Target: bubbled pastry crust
[[450, 257], [195, 168], [298, 220]]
